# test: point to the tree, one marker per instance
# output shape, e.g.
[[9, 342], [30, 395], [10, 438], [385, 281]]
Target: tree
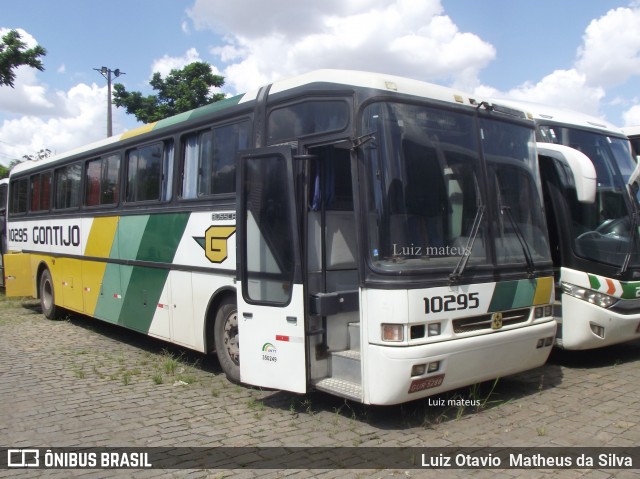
[[4, 170], [13, 53], [182, 90], [41, 155]]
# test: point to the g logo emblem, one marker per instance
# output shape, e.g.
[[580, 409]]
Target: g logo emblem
[[496, 320], [215, 242]]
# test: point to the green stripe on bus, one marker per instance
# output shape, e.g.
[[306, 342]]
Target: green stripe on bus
[[630, 289], [173, 120], [513, 294], [161, 237], [524, 293], [503, 295], [216, 106], [129, 235], [109, 304], [130, 294], [594, 282], [143, 286], [198, 112], [143, 293]]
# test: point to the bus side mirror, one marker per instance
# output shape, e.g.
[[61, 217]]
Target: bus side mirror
[[581, 167]]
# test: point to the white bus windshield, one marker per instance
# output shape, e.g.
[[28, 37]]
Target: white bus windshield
[[427, 187], [601, 231]]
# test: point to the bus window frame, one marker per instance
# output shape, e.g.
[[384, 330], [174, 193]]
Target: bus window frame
[[180, 160], [342, 97], [54, 188], [39, 175], [83, 181], [124, 174], [10, 200]]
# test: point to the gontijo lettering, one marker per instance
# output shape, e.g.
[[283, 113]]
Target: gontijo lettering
[[57, 235]]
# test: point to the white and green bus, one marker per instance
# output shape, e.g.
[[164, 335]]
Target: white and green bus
[[374, 237], [594, 236]]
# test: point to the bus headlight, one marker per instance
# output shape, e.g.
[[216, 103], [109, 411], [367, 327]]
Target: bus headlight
[[393, 332], [588, 295]]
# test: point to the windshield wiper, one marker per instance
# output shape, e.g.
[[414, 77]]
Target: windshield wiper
[[632, 233], [456, 274], [354, 143], [520, 236]]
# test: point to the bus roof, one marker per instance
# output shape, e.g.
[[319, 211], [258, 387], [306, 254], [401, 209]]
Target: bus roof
[[631, 130], [350, 78], [541, 111], [149, 127]]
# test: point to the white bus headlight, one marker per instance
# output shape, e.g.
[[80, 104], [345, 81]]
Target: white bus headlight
[[393, 332], [588, 295]]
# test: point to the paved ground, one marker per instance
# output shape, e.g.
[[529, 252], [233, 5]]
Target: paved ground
[[81, 383]]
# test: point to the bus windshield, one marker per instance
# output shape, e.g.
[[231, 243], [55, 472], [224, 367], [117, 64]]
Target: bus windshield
[[601, 231], [432, 205]]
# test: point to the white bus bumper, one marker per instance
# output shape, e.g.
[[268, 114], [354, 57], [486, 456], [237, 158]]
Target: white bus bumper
[[462, 362], [587, 326]]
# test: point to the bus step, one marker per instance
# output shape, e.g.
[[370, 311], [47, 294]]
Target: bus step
[[340, 387], [345, 365], [354, 336]]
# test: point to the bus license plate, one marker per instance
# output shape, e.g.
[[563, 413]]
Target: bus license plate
[[426, 383]]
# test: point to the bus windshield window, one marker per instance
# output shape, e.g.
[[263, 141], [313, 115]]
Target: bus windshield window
[[601, 230], [425, 190], [516, 195]]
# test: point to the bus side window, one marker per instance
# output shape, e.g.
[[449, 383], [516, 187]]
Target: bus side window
[[102, 181], [3, 197], [307, 117], [40, 191], [67, 187], [209, 160], [149, 172], [19, 195]]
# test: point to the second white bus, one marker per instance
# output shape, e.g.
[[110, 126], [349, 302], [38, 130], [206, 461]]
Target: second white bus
[[594, 234]]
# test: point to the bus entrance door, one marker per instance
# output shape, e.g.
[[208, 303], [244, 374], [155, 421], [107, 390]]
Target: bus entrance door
[[271, 320]]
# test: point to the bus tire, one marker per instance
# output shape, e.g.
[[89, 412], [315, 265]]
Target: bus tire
[[47, 296], [227, 339]]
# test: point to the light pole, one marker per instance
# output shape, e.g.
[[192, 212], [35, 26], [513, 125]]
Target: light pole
[[106, 72]]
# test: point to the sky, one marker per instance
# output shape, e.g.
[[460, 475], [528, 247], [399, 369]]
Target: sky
[[580, 54]]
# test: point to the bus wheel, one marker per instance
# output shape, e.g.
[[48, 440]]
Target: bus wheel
[[47, 296], [227, 339]]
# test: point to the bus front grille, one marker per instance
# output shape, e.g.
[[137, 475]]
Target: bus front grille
[[485, 321]]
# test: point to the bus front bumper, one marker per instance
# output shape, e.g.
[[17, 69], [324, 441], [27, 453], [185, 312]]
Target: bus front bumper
[[461, 362], [587, 326]]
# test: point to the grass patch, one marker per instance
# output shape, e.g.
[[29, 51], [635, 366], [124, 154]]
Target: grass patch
[[170, 363]]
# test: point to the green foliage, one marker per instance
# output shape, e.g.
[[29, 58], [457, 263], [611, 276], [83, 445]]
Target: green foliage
[[13, 53], [182, 90]]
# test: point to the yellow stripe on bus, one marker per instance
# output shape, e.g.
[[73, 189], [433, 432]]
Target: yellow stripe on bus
[[543, 290], [103, 231], [138, 131]]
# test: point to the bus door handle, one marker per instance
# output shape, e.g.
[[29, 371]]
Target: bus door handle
[[292, 319], [247, 315]]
